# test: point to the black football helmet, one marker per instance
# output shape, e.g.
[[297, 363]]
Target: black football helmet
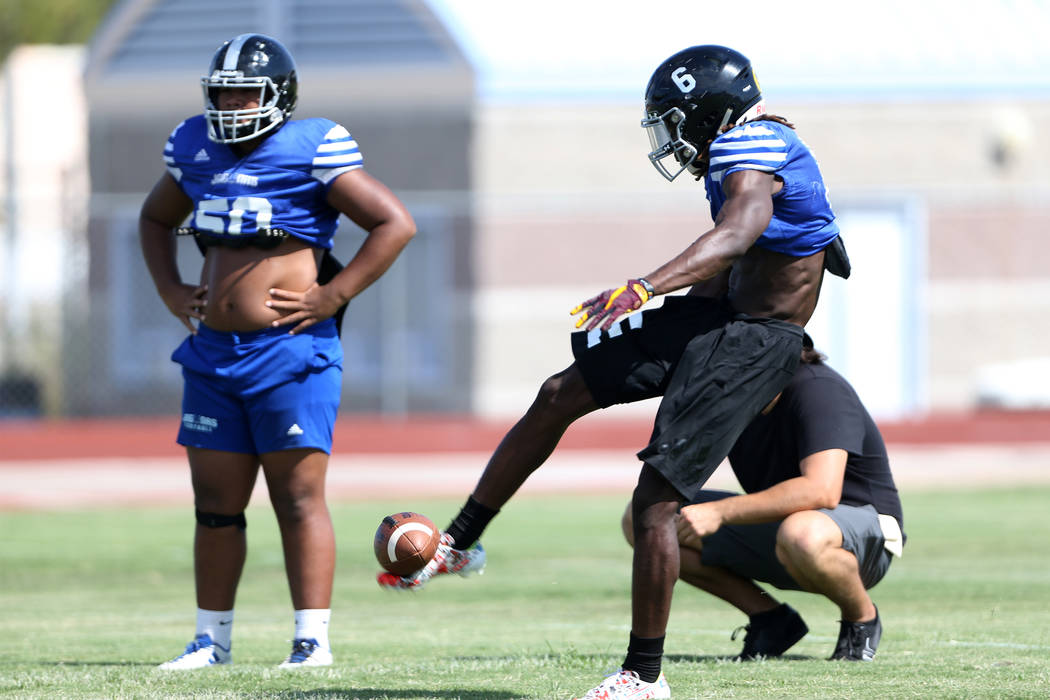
[[690, 97], [250, 61]]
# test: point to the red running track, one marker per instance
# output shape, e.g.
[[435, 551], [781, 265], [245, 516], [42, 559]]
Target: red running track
[[22, 440]]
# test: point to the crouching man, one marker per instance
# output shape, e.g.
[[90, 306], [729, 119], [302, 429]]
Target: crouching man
[[820, 513]]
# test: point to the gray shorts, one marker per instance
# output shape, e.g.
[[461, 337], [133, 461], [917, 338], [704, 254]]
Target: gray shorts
[[750, 550]]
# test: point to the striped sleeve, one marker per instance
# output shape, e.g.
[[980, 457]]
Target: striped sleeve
[[169, 155], [337, 154], [748, 147]]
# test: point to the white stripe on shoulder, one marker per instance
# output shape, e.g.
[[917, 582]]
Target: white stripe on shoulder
[[335, 146], [753, 143], [749, 130], [171, 136], [337, 132], [773, 157], [353, 158]]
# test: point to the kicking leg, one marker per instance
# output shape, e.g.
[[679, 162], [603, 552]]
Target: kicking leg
[[562, 399]]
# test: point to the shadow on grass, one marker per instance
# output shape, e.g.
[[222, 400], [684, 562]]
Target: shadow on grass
[[707, 658], [603, 659], [379, 693], [75, 664]]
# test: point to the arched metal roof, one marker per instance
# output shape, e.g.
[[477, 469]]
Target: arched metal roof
[[178, 36]]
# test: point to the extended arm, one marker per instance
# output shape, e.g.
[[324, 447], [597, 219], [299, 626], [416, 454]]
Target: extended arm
[[741, 221], [373, 207], [166, 207], [818, 486]]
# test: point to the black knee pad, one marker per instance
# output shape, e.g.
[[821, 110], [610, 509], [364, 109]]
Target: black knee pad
[[220, 520]]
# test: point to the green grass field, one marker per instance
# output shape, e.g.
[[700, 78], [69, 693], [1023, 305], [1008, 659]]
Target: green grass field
[[91, 601]]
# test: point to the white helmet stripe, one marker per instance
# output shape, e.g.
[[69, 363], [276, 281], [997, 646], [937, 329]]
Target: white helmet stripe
[[234, 52]]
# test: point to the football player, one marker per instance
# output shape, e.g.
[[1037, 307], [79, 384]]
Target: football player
[[716, 361], [262, 364], [820, 513]]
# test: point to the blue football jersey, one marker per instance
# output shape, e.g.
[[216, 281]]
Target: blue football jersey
[[803, 222], [282, 184]]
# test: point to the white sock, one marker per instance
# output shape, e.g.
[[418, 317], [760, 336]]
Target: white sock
[[313, 624], [217, 624]]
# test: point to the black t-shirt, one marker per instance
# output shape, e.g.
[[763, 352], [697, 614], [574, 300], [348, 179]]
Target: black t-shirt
[[818, 410]]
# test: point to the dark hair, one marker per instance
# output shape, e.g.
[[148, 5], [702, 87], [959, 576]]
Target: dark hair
[[760, 118], [810, 356], [813, 357], [772, 118]]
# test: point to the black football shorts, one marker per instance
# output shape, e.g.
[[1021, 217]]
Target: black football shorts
[[716, 370]]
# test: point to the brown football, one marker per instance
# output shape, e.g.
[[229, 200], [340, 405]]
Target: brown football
[[405, 542]]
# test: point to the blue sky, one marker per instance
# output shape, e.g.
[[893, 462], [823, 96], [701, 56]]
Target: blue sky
[[608, 48]]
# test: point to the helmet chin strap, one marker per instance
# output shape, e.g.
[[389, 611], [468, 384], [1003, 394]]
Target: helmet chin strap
[[725, 120]]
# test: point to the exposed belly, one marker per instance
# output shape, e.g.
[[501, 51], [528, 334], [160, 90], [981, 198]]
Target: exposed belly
[[771, 285], [239, 280]]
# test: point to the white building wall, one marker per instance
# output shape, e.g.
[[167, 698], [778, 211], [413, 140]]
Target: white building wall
[[43, 166]]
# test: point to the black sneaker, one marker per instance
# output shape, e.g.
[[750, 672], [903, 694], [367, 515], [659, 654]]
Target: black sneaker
[[771, 633], [858, 640]]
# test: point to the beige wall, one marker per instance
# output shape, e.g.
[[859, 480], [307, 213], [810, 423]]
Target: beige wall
[[567, 205]]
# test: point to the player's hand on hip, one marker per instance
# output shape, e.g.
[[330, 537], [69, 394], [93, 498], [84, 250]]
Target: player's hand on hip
[[696, 522], [612, 304], [303, 308], [187, 301]]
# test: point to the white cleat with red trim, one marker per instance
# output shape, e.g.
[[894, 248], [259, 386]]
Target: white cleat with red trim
[[626, 685], [446, 560]]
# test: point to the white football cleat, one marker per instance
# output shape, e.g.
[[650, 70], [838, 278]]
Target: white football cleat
[[626, 685], [201, 652], [446, 560], [307, 653]]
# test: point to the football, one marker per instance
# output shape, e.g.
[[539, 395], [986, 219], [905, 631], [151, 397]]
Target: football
[[405, 542]]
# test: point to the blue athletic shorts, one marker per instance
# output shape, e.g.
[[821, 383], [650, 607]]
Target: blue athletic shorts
[[260, 391]]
